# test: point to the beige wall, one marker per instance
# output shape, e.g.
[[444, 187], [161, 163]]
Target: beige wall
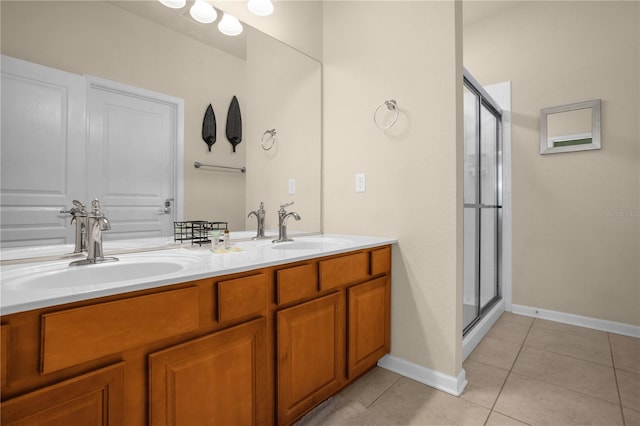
[[285, 89], [410, 52], [576, 216], [297, 23]]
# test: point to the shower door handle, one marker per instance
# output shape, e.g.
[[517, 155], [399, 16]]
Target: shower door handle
[[482, 206]]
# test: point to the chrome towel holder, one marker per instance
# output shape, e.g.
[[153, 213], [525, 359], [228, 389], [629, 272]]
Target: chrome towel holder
[[198, 164], [271, 132], [391, 105]]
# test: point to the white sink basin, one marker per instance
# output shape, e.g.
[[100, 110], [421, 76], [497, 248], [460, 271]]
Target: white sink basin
[[61, 275]]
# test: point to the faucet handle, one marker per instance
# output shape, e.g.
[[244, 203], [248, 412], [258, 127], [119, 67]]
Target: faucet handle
[[78, 208], [95, 207], [282, 206]]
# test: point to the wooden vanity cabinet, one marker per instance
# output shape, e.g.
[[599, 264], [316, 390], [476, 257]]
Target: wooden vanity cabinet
[[261, 347], [201, 343], [218, 379], [325, 343], [310, 354]]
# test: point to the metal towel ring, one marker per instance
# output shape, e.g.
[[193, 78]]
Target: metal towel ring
[[271, 132], [391, 106]]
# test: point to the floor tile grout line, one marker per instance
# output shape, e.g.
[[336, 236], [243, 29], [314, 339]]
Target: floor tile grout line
[[537, 379], [615, 375], [384, 391], [579, 359], [503, 340], [569, 356], [509, 373]]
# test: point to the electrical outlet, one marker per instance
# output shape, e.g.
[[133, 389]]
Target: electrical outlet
[[292, 186], [361, 182]]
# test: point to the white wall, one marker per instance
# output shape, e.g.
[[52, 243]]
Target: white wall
[[576, 216], [407, 51]]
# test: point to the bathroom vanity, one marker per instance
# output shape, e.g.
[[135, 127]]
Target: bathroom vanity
[[261, 341]]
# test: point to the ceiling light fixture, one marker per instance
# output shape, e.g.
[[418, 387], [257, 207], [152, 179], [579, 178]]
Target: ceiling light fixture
[[229, 25], [174, 4], [203, 12], [260, 7]]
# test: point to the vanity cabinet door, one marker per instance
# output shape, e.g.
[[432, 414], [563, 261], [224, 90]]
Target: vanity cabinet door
[[92, 399], [218, 379], [369, 322], [311, 354]]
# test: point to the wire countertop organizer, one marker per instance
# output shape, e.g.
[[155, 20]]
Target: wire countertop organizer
[[198, 164], [196, 231], [391, 105]]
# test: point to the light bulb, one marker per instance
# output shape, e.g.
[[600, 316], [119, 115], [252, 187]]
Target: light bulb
[[229, 25], [203, 12], [174, 4], [260, 7]]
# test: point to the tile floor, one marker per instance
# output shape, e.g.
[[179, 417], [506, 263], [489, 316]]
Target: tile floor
[[524, 372]]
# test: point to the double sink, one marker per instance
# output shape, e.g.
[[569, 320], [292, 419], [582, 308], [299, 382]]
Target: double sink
[[40, 284]]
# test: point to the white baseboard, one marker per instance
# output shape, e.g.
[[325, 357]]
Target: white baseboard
[[477, 333], [579, 320], [435, 379]]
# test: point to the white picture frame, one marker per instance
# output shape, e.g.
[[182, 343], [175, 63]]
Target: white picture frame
[[571, 142]]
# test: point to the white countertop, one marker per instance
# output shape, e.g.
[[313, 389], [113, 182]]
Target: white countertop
[[33, 285]]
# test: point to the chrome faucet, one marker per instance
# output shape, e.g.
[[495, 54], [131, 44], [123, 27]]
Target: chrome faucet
[[259, 214], [282, 223], [96, 224], [79, 216]]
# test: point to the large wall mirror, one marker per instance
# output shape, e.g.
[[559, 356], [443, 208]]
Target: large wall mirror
[[146, 45]]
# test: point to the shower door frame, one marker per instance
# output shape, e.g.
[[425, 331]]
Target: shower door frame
[[484, 99]]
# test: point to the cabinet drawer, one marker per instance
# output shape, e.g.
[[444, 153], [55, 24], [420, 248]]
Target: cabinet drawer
[[343, 270], [77, 335], [95, 398], [242, 297], [381, 261], [296, 283]]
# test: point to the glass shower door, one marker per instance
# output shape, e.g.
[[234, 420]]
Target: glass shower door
[[482, 204]]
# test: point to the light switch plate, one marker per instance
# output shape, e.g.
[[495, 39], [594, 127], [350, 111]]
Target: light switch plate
[[361, 182], [292, 186]]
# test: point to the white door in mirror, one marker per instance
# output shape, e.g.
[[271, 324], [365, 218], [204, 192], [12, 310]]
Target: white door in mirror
[[42, 132], [131, 156]]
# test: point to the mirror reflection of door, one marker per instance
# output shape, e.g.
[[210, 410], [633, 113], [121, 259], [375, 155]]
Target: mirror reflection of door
[[127, 158], [132, 140], [42, 131]]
